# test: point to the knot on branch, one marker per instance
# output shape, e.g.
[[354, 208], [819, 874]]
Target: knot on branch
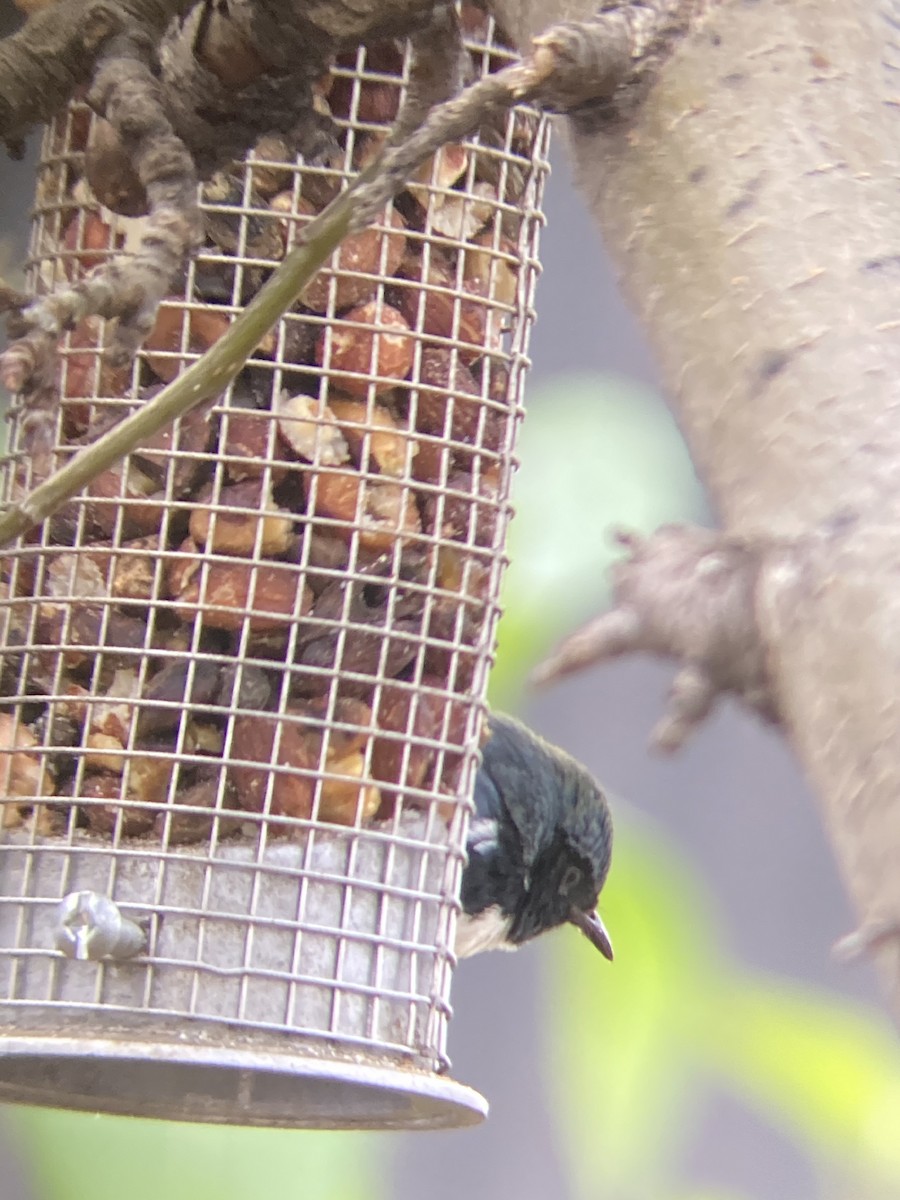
[[582, 62], [687, 594]]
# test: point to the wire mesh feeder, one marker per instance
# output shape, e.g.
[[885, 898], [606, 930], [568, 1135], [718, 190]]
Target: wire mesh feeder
[[243, 675]]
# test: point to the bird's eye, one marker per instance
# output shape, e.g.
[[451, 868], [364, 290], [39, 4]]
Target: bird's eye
[[570, 880]]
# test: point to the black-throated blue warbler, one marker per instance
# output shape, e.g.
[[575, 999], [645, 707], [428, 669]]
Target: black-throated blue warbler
[[539, 845]]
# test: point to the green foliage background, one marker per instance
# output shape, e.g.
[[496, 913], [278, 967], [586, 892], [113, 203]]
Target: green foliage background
[[628, 1066]]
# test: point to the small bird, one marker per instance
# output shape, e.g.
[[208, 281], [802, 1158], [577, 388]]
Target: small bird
[[539, 845]]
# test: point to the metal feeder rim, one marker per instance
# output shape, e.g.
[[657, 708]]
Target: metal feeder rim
[[229, 1086]]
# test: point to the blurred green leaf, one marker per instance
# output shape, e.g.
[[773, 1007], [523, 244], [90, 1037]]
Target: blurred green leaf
[[826, 1070], [74, 1156], [621, 1042], [716, 1195], [597, 451], [630, 1056]]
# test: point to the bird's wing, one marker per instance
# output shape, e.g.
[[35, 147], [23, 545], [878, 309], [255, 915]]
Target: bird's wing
[[516, 784]]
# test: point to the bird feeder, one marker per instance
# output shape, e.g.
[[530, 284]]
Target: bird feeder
[[243, 674]]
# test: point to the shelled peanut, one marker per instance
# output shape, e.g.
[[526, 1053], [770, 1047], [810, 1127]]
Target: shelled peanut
[[276, 607]]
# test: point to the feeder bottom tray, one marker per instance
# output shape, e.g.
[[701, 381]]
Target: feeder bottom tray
[[228, 1087], [258, 1002]]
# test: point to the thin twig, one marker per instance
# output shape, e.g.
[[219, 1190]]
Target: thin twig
[[353, 209], [437, 58], [129, 288], [204, 379]]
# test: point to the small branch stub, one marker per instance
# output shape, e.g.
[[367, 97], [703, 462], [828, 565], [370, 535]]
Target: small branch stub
[[688, 594], [869, 938]]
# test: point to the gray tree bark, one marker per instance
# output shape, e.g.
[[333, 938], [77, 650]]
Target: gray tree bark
[[752, 206]]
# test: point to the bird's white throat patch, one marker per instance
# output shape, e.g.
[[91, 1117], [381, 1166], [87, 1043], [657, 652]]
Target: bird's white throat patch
[[487, 930]]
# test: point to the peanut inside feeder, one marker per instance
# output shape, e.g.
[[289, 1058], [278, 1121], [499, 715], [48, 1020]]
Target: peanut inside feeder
[[243, 674]]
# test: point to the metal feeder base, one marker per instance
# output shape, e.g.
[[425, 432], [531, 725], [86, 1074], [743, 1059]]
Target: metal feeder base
[[228, 1087]]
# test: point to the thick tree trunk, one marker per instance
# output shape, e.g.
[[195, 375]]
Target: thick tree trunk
[[752, 206]]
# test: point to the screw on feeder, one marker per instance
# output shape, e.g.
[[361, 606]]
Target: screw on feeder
[[90, 927]]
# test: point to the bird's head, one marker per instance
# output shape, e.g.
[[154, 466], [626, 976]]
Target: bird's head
[[539, 844], [567, 873]]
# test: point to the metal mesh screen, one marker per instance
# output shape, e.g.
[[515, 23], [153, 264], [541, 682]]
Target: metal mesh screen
[[243, 675]]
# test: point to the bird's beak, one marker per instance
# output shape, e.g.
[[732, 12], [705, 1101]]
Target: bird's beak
[[593, 929]]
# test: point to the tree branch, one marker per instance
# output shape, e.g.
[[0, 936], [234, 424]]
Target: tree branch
[[204, 379], [129, 288], [353, 209], [751, 206], [57, 49], [691, 595]]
